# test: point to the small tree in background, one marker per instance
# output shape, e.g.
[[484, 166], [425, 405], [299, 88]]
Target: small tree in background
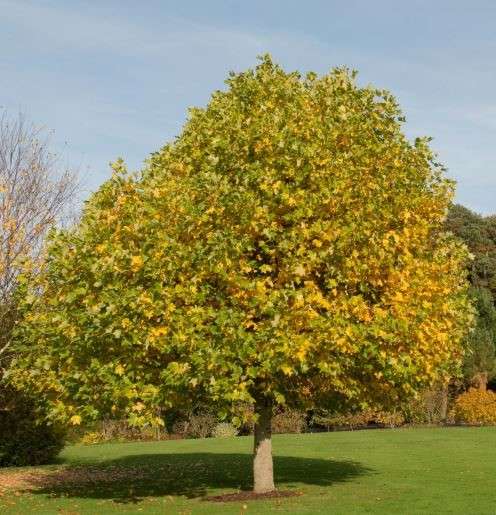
[[34, 195], [287, 247]]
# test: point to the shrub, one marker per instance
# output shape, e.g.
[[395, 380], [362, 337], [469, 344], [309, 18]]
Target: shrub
[[289, 421], [429, 408], [358, 419], [224, 430], [120, 431], [476, 407], [26, 438], [389, 418], [341, 420], [195, 426], [92, 437]]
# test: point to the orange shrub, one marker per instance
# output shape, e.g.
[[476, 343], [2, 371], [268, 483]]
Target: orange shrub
[[476, 407], [390, 418]]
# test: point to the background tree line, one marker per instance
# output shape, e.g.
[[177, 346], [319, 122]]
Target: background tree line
[[479, 234]]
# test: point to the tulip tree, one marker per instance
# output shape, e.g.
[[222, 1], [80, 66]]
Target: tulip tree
[[287, 247]]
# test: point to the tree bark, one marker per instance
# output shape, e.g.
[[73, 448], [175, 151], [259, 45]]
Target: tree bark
[[480, 381], [443, 408], [263, 468]]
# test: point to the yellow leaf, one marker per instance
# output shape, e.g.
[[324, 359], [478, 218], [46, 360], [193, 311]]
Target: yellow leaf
[[75, 420], [136, 262], [138, 407], [159, 331], [301, 354], [287, 370], [299, 270]]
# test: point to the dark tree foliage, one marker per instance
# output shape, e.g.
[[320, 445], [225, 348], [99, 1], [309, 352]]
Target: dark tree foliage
[[480, 360], [26, 438], [479, 234]]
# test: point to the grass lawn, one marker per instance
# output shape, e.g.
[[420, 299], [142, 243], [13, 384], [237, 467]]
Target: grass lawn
[[429, 471]]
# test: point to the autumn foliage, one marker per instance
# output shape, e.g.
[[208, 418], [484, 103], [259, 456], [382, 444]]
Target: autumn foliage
[[286, 247], [34, 196], [476, 406]]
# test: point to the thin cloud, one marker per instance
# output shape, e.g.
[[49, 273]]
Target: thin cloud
[[113, 79]]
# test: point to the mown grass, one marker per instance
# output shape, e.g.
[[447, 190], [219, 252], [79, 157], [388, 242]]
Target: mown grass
[[428, 470]]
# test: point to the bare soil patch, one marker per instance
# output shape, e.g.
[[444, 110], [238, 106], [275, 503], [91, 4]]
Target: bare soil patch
[[251, 496]]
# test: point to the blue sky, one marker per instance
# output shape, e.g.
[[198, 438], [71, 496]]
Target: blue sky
[[115, 78]]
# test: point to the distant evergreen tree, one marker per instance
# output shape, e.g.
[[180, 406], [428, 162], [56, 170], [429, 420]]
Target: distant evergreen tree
[[479, 234]]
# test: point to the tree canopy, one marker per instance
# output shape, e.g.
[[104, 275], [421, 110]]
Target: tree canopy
[[287, 246]]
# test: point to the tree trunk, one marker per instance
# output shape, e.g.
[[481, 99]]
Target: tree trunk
[[443, 405], [263, 469], [480, 381]]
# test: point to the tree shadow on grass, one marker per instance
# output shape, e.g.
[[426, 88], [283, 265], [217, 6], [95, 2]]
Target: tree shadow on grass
[[132, 479]]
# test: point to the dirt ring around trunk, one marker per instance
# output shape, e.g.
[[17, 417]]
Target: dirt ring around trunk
[[251, 496]]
